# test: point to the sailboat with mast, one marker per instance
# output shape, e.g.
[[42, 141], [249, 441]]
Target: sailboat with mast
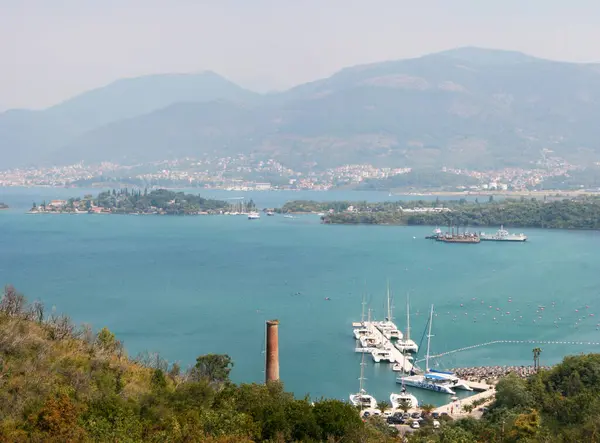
[[363, 329], [439, 381], [388, 328], [406, 344], [361, 399], [404, 398]]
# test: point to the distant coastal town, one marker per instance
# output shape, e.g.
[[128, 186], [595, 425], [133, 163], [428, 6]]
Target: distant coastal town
[[245, 172]]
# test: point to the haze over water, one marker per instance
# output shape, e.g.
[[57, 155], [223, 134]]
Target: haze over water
[[186, 286]]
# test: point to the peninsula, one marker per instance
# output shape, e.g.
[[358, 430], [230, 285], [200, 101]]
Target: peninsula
[[577, 213], [124, 201], [3, 206]]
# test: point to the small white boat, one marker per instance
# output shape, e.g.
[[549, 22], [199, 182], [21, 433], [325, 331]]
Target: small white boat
[[369, 341], [382, 355], [288, 216], [361, 332], [406, 344], [361, 399], [253, 216], [404, 398]]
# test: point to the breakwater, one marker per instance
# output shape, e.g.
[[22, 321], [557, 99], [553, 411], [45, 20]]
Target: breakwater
[[492, 373]]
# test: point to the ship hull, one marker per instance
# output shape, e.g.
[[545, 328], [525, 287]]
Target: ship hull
[[517, 240]]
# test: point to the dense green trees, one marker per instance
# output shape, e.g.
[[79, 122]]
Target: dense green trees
[[81, 387], [557, 405], [170, 202], [580, 213]]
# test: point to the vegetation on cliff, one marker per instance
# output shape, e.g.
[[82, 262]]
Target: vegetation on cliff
[[561, 404], [580, 213], [61, 383]]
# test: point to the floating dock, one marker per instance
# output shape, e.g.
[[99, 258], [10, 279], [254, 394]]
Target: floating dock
[[386, 344]]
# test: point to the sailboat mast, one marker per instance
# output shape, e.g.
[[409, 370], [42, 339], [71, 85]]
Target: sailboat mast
[[389, 310], [362, 315], [407, 317], [362, 372], [428, 341]]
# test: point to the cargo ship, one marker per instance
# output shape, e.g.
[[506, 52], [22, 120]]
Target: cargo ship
[[451, 237], [459, 238], [503, 235]]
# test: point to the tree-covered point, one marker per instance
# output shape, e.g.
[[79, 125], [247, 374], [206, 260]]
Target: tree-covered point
[[579, 213], [125, 201], [169, 202], [62, 383]]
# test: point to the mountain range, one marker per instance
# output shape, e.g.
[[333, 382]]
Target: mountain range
[[467, 107]]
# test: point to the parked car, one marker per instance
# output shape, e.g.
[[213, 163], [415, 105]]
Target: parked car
[[416, 415], [395, 420], [435, 415], [436, 424], [415, 424]]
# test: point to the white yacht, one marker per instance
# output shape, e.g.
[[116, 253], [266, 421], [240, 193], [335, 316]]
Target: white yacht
[[253, 216], [361, 332], [382, 355], [404, 398], [363, 329], [444, 382], [406, 344], [369, 341], [361, 399], [388, 328]]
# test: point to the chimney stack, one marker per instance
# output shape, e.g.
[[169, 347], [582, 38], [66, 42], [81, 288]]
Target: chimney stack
[[272, 357]]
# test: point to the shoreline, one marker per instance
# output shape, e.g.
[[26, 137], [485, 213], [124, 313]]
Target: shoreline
[[394, 192]]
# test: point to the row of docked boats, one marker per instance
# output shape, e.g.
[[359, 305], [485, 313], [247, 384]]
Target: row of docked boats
[[386, 343]]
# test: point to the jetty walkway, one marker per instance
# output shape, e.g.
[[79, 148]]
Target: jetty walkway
[[456, 409]]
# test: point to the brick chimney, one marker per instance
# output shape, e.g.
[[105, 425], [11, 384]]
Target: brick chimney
[[272, 357]]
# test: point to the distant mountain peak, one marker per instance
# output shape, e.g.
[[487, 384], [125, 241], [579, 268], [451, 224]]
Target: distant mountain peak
[[487, 56]]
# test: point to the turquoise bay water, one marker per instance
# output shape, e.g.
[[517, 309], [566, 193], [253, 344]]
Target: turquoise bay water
[[185, 286]]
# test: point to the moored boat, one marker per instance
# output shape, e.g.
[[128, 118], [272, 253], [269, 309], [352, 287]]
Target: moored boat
[[503, 235]]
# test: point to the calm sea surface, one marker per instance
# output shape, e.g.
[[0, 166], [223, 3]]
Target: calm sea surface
[[186, 286]]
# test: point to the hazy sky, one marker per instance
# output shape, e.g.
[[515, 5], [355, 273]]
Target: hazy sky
[[53, 49]]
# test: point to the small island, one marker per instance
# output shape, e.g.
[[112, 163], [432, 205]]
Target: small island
[[3, 206], [138, 202], [582, 212]]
